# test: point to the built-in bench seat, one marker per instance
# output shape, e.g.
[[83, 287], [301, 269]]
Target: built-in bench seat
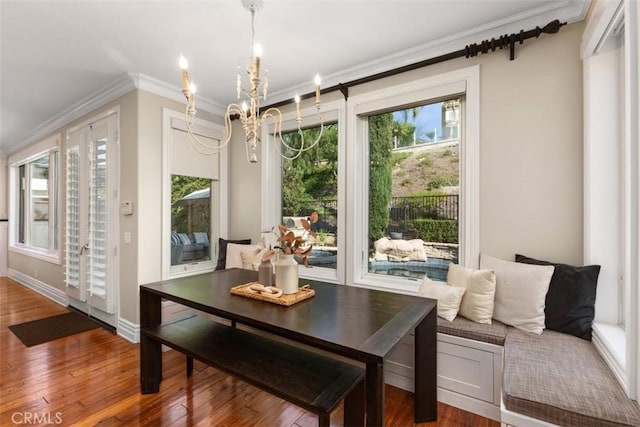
[[540, 380], [306, 379], [494, 333], [563, 380]]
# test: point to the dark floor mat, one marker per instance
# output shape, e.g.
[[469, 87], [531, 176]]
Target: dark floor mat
[[51, 328]]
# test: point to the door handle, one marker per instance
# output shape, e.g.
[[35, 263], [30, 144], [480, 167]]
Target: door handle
[[85, 246]]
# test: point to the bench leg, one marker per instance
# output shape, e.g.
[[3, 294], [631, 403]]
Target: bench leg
[[189, 366], [354, 406]]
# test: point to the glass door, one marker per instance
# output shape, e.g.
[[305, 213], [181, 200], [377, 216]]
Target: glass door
[[91, 218]]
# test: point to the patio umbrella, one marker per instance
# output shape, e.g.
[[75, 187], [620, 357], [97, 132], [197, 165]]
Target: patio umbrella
[[195, 197]]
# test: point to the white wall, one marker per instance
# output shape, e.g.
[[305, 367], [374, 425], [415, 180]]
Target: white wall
[[531, 193], [244, 208]]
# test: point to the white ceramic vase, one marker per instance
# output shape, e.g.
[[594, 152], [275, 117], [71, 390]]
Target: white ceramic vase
[[287, 274]]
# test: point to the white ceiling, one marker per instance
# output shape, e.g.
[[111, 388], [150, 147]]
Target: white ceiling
[[54, 54]]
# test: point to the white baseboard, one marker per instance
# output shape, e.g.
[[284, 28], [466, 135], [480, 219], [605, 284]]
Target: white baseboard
[[469, 404], [128, 330], [54, 294], [399, 381]]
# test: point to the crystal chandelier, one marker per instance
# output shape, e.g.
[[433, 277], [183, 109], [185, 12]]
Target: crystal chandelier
[[249, 112]]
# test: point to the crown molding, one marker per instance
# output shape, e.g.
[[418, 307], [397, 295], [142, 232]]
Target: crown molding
[[119, 87], [160, 88]]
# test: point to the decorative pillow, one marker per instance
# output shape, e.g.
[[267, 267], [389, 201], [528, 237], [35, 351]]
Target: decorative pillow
[[234, 259], [480, 285], [520, 292], [201, 238], [175, 239], [184, 239], [449, 297], [222, 250], [252, 257], [571, 298]]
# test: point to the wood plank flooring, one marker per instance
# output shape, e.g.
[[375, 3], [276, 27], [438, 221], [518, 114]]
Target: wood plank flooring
[[92, 379]]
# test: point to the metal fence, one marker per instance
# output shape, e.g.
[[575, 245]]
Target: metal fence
[[327, 214], [404, 210]]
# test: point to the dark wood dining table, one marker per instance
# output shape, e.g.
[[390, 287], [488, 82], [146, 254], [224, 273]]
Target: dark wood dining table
[[354, 322]]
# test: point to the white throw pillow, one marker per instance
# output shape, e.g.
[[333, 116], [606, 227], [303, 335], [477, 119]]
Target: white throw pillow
[[252, 257], [480, 285], [234, 259], [448, 297], [521, 290]]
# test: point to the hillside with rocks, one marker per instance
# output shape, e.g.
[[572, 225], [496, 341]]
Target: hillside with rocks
[[426, 170]]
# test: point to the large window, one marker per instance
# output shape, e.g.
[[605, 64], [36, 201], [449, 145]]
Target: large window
[[413, 181], [402, 163], [310, 184], [414, 186], [35, 204]]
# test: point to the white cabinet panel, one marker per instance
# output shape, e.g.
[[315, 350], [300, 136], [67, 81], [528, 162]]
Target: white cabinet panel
[[465, 370]]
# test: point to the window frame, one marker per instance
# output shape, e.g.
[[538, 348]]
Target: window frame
[[332, 112], [219, 194], [611, 96], [47, 147], [465, 82]]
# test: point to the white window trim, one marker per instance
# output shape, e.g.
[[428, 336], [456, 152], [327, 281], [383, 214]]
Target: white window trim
[[357, 156], [333, 111], [220, 197], [620, 347], [44, 147], [610, 341]]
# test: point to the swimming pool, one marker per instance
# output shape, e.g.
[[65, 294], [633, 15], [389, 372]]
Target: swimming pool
[[434, 268]]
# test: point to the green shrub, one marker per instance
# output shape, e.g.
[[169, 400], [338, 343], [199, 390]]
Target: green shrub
[[437, 182], [380, 173], [436, 230]]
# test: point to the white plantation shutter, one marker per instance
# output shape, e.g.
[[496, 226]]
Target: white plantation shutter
[[98, 250], [73, 244], [92, 215]]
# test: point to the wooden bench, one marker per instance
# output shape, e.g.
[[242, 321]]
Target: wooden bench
[[306, 379]]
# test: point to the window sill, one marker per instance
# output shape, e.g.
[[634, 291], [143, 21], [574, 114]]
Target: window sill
[[53, 258], [391, 284], [610, 340], [182, 270]]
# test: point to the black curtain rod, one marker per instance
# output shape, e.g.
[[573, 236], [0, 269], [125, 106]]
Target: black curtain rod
[[469, 51]]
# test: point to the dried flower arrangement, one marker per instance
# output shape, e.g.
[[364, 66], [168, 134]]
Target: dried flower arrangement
[[290, 244]]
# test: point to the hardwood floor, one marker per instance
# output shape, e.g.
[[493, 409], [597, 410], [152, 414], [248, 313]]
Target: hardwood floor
[[92, 378]]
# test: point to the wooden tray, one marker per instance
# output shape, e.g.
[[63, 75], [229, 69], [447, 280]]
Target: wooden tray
[[286, 300]]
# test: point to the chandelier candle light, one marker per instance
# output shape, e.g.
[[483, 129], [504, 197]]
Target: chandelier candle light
[[249, 112]]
